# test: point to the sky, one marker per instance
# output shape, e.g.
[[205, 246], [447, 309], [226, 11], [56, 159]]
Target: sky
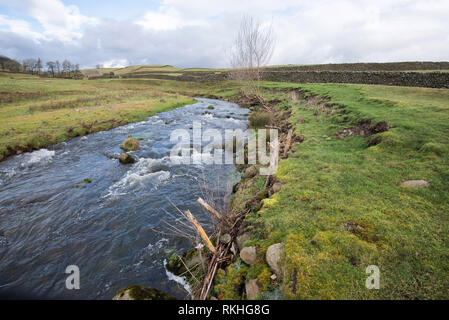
[[200, 33]]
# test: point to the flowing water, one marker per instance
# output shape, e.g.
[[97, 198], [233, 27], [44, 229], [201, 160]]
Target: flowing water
[[49, 219]]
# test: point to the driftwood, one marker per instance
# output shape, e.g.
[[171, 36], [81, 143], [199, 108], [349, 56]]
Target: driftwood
[[219, 254], [289, 141], [214, 212], [200, 231], [209, 208]]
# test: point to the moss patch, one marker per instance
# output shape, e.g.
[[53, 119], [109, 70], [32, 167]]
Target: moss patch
[[130, 144], [137, 292]]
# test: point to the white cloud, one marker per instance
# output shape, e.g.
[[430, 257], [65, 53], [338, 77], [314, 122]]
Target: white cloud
[[167, 19], [115, 63], [19, 27], [59, 22], [198, 33]]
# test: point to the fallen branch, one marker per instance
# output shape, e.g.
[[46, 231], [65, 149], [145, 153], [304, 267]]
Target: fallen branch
[[209, 208], [206, 206], [200, 231]]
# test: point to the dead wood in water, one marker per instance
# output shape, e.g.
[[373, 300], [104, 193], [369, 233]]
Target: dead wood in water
[[200, 231]]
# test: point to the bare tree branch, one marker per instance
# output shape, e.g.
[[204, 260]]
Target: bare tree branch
[[252, 50]]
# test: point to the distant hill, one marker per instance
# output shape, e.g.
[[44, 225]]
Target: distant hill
[[7, 64], [130, 70]]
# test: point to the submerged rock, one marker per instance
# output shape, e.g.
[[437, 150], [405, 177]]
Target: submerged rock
[[415, 184], [274, 255], [177, 263], [137, 292], [126, 158], [248, 255]]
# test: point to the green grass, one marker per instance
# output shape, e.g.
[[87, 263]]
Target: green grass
[[329, 184], [260, 119], [99, 70], [36, 112], [332, 184]]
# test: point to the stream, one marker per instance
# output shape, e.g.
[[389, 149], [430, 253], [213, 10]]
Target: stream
[[111, 227]]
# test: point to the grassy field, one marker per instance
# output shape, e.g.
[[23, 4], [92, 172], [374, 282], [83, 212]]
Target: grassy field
[[132, 69], [341, 206], [36, 112]]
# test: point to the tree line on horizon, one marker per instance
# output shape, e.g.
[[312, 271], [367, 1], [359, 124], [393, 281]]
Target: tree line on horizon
[[54, 69]]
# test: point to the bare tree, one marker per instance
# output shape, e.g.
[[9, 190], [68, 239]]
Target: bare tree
[[252, 50], [38, 65], [51, 68], [29, 65], [58, 67], [66, 67]]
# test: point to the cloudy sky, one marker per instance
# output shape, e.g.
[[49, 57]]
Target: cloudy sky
[[198, 33]]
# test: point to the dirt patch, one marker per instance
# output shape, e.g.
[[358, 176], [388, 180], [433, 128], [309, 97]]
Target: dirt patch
[[246, 100], [366, 129], [315, 102]]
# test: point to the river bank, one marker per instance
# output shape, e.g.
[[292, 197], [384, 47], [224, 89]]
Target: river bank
[[345, 199], [36, 113]]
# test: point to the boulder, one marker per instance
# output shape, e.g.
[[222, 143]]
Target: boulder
[[241, 239], [176, 264], [250, 172], [415, 184], [248, 255], [126, 158], [130, 144], [136, 292], [274, 255], [252, 289]]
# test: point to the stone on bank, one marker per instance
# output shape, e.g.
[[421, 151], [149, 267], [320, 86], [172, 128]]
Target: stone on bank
[[274, 256], [136, 292]]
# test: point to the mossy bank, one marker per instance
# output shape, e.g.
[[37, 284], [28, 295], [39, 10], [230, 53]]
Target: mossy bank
[[340, 204]]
